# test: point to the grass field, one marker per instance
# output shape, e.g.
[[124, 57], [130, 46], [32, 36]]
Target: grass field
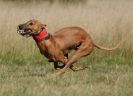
[[24, 72]]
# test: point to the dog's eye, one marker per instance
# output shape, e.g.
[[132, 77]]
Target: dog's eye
[[31, 23]]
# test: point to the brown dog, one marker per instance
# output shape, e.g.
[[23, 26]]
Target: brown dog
[[56, 46]]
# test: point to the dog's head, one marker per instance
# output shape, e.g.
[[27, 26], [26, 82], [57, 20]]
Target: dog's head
[[30, 28]]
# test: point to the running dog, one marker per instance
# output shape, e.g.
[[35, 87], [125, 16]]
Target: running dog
[[56, 46]]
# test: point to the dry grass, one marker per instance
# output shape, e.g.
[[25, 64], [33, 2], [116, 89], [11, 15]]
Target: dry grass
[[23, 71], [100, 18]]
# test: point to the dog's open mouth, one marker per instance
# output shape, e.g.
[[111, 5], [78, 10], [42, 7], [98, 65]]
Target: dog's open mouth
[[25, 32]]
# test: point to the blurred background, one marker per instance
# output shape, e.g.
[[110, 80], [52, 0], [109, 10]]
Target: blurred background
[[107, 21]]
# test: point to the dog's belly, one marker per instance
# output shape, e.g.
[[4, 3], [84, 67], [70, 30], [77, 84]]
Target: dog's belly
[[68, 46]]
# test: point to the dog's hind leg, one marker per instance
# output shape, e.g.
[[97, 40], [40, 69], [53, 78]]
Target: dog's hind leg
[[64, 61], [77, 68], [73, 67], [84, 50]]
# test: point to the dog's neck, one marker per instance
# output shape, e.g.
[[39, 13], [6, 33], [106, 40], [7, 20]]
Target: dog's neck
[[43, 35]]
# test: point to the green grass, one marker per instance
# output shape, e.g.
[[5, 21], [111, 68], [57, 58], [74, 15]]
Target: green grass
[[25, 72], [108, 74], [36, 80]]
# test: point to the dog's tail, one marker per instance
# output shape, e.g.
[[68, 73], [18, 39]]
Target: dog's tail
[[107, 49]]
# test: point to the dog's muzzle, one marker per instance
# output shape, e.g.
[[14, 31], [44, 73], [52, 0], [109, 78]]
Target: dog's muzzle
[[24, 32]]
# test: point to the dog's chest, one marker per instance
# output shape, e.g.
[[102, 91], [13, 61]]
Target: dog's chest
[[48, 50]]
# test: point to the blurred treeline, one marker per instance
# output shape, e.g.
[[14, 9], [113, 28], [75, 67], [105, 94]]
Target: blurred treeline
[[50, 1]]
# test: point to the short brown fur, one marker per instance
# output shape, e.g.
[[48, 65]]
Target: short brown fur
[[58, 45]]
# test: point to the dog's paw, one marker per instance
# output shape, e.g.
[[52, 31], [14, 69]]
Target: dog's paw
[[78, 68]]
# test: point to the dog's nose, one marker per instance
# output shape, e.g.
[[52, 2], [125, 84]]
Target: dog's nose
[[20, 27]]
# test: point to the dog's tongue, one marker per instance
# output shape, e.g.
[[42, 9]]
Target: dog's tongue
[[41, 36]]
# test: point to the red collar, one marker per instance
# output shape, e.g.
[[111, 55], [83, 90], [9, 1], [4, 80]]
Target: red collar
[[40, 36]]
